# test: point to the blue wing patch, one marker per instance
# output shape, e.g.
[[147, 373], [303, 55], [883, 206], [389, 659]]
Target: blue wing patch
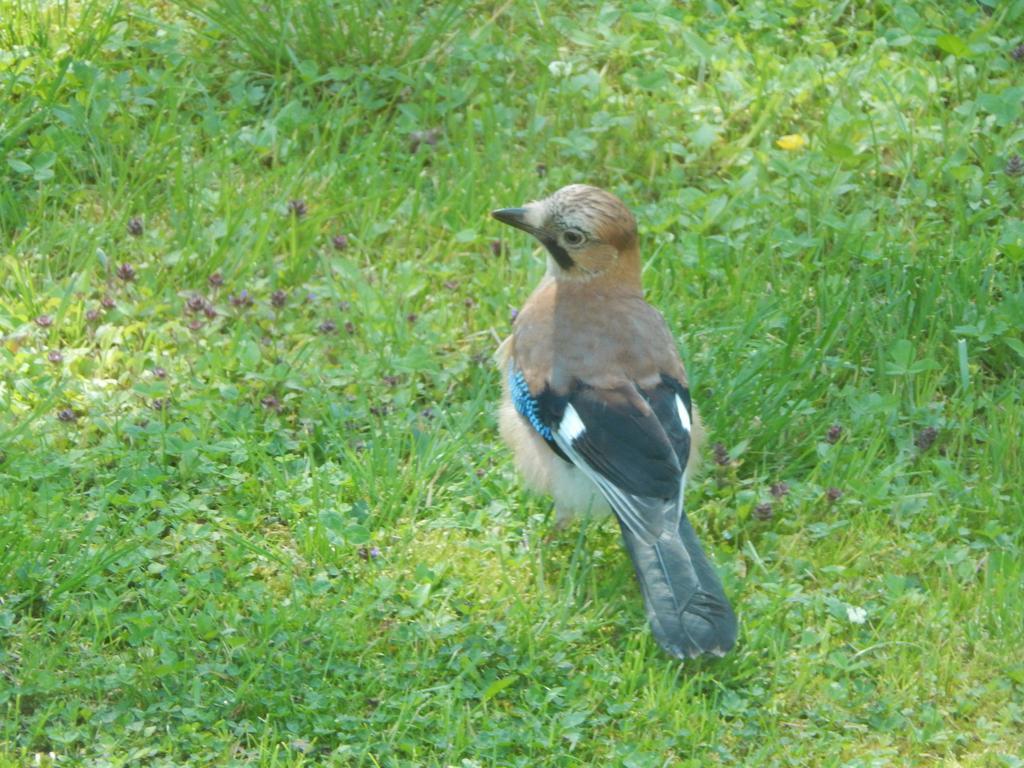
[[525, 403]]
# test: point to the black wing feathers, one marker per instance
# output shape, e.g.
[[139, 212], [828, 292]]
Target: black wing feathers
[[627, 446], [643, 454], [662, 400]]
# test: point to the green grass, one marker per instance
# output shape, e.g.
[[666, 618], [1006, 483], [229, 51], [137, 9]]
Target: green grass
[[288, 535]]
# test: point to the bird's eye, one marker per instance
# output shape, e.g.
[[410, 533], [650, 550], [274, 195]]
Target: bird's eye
[[573, 237]]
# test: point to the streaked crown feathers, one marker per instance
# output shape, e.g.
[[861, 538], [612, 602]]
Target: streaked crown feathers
[[598, 213]]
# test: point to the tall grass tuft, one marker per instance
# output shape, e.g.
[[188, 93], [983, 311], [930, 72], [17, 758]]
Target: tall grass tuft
[[318, 35]]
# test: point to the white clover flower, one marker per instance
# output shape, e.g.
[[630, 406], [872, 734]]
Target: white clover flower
[[560, 68]]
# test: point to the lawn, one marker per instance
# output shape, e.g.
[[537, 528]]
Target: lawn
[[253, 505]]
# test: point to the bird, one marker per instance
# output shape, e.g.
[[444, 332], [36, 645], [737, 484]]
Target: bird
[[598, 414]]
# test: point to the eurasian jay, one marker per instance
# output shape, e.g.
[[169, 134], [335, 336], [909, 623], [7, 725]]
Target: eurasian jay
[[597, 410]]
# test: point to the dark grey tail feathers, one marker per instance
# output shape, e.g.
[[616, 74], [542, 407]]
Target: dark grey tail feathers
[[686, 605]]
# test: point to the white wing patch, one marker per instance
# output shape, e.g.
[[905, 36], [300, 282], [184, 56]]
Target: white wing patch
[[571, 426], [684, 416]]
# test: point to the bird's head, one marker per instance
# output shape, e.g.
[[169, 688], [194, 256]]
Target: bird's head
[[588, 232]]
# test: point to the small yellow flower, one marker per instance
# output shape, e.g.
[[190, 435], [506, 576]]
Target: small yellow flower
[[791, 142]]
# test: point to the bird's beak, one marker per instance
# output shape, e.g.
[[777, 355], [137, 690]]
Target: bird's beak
[[514, 217]]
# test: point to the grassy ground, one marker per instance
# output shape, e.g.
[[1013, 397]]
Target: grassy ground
[[254, 510]]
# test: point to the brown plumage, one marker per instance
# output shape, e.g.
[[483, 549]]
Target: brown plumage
[[597, 411]]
